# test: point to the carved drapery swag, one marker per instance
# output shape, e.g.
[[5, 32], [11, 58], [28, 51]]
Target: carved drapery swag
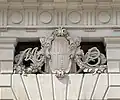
[[40, 57]]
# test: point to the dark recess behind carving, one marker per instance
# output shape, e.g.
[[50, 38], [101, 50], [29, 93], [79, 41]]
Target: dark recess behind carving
[[87, 45], [21, 46]]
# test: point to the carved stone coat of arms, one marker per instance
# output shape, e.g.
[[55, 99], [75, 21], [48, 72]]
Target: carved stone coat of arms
[[58, 52]]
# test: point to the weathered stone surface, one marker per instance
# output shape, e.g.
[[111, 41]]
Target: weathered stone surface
[[113, 66], [114, 79], [31, 86], [113, 93], [6, 67], [101, 87], [5, 80], [81, 19], [19, 88], [6, 54], [59, 87], [89, 82], [0, 93], [45, 86], [7, 94], [6, 46], [113, 54], [74, 84]]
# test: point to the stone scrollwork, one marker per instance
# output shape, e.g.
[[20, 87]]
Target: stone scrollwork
[[93, 61], [60, 32], [37, 59]]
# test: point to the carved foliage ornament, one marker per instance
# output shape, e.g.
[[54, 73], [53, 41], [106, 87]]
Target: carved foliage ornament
[[93, 61], [37, 59]]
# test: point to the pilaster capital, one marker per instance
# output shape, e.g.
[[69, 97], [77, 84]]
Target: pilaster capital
[[112, 40], [8, 40]]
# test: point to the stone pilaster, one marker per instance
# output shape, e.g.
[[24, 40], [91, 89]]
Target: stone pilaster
[[113, 53], [7, 54]]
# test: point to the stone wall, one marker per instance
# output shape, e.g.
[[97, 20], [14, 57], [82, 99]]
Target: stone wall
[[26, 21]]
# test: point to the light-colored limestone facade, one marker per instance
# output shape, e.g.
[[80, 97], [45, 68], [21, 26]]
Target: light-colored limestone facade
[[30, 20]]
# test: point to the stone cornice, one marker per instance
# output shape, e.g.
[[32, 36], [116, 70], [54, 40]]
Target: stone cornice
[[62, 5], [114, 27], [83, 15], [84, 28]]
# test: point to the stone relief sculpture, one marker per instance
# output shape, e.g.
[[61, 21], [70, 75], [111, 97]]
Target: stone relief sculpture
[[60, 51], [36, 57], [93, 61]]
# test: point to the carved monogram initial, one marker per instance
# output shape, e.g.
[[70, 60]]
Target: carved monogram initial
[[59, 51]]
